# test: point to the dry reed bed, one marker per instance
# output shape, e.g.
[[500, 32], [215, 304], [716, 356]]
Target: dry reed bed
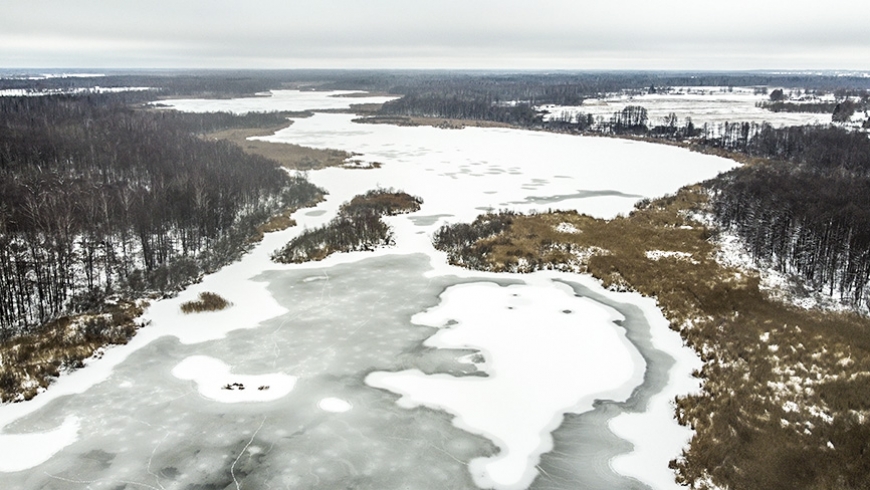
[[28, 363], [206, 301], [786, 391]]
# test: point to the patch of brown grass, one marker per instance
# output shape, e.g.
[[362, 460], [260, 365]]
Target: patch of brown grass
[[207, 301], [381, 202], [277, 223], [784, 402], [292, 156], [29, 362]]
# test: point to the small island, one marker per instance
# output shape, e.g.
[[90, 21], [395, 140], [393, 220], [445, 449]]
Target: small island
[[357, 227]]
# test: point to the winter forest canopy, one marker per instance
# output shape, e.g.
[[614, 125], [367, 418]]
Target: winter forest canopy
[[97, 199]]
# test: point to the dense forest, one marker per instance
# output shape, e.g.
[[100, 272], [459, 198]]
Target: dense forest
[[98, 198], [462, 106], [807, 211]]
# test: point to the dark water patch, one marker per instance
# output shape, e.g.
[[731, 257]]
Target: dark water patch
[[427, 220], [577, 195]]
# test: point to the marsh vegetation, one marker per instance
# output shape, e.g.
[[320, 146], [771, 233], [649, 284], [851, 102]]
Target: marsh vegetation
[[206, 301], [781, 384], [30, 362]]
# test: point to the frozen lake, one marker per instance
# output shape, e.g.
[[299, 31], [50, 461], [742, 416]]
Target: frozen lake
[[389, 369]]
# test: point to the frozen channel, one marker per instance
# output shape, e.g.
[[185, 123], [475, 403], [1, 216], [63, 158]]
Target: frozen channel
[[389, 369]]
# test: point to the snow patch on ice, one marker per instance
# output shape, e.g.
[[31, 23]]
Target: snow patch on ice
[[22, 451], [535, 352], [334, 405], [655, 434], [215, 381]]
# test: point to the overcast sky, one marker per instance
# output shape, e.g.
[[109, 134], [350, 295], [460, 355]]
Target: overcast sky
[[486, 34]]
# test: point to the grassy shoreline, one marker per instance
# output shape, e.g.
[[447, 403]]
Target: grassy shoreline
[[783, 387], [291, 156], [30, 362]]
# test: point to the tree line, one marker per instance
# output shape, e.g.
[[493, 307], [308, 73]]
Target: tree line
[[97, 198], [461, 106], [806, 211]]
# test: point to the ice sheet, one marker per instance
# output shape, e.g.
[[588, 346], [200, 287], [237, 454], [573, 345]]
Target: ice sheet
[[462, 172], [546, 352], [21, 451], [275, 100]]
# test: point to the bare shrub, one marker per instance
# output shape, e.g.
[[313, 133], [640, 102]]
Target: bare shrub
[[207, 302]]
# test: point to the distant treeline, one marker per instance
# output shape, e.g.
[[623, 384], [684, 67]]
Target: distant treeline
[[568, 88], [563, 88], [461, 106], [510, 97], [840, 111], [810, 107], [97, 198]]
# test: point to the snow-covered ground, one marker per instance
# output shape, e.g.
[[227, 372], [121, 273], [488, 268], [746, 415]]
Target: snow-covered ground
[[784, 287], [387, 368], [710, 105], [20, 92], [46, 76]]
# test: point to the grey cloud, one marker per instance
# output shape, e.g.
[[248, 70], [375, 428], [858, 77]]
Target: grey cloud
[[392, 33]]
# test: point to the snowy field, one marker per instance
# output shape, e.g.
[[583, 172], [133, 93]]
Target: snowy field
[[389, 369], [710, 105], [20, 92]]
